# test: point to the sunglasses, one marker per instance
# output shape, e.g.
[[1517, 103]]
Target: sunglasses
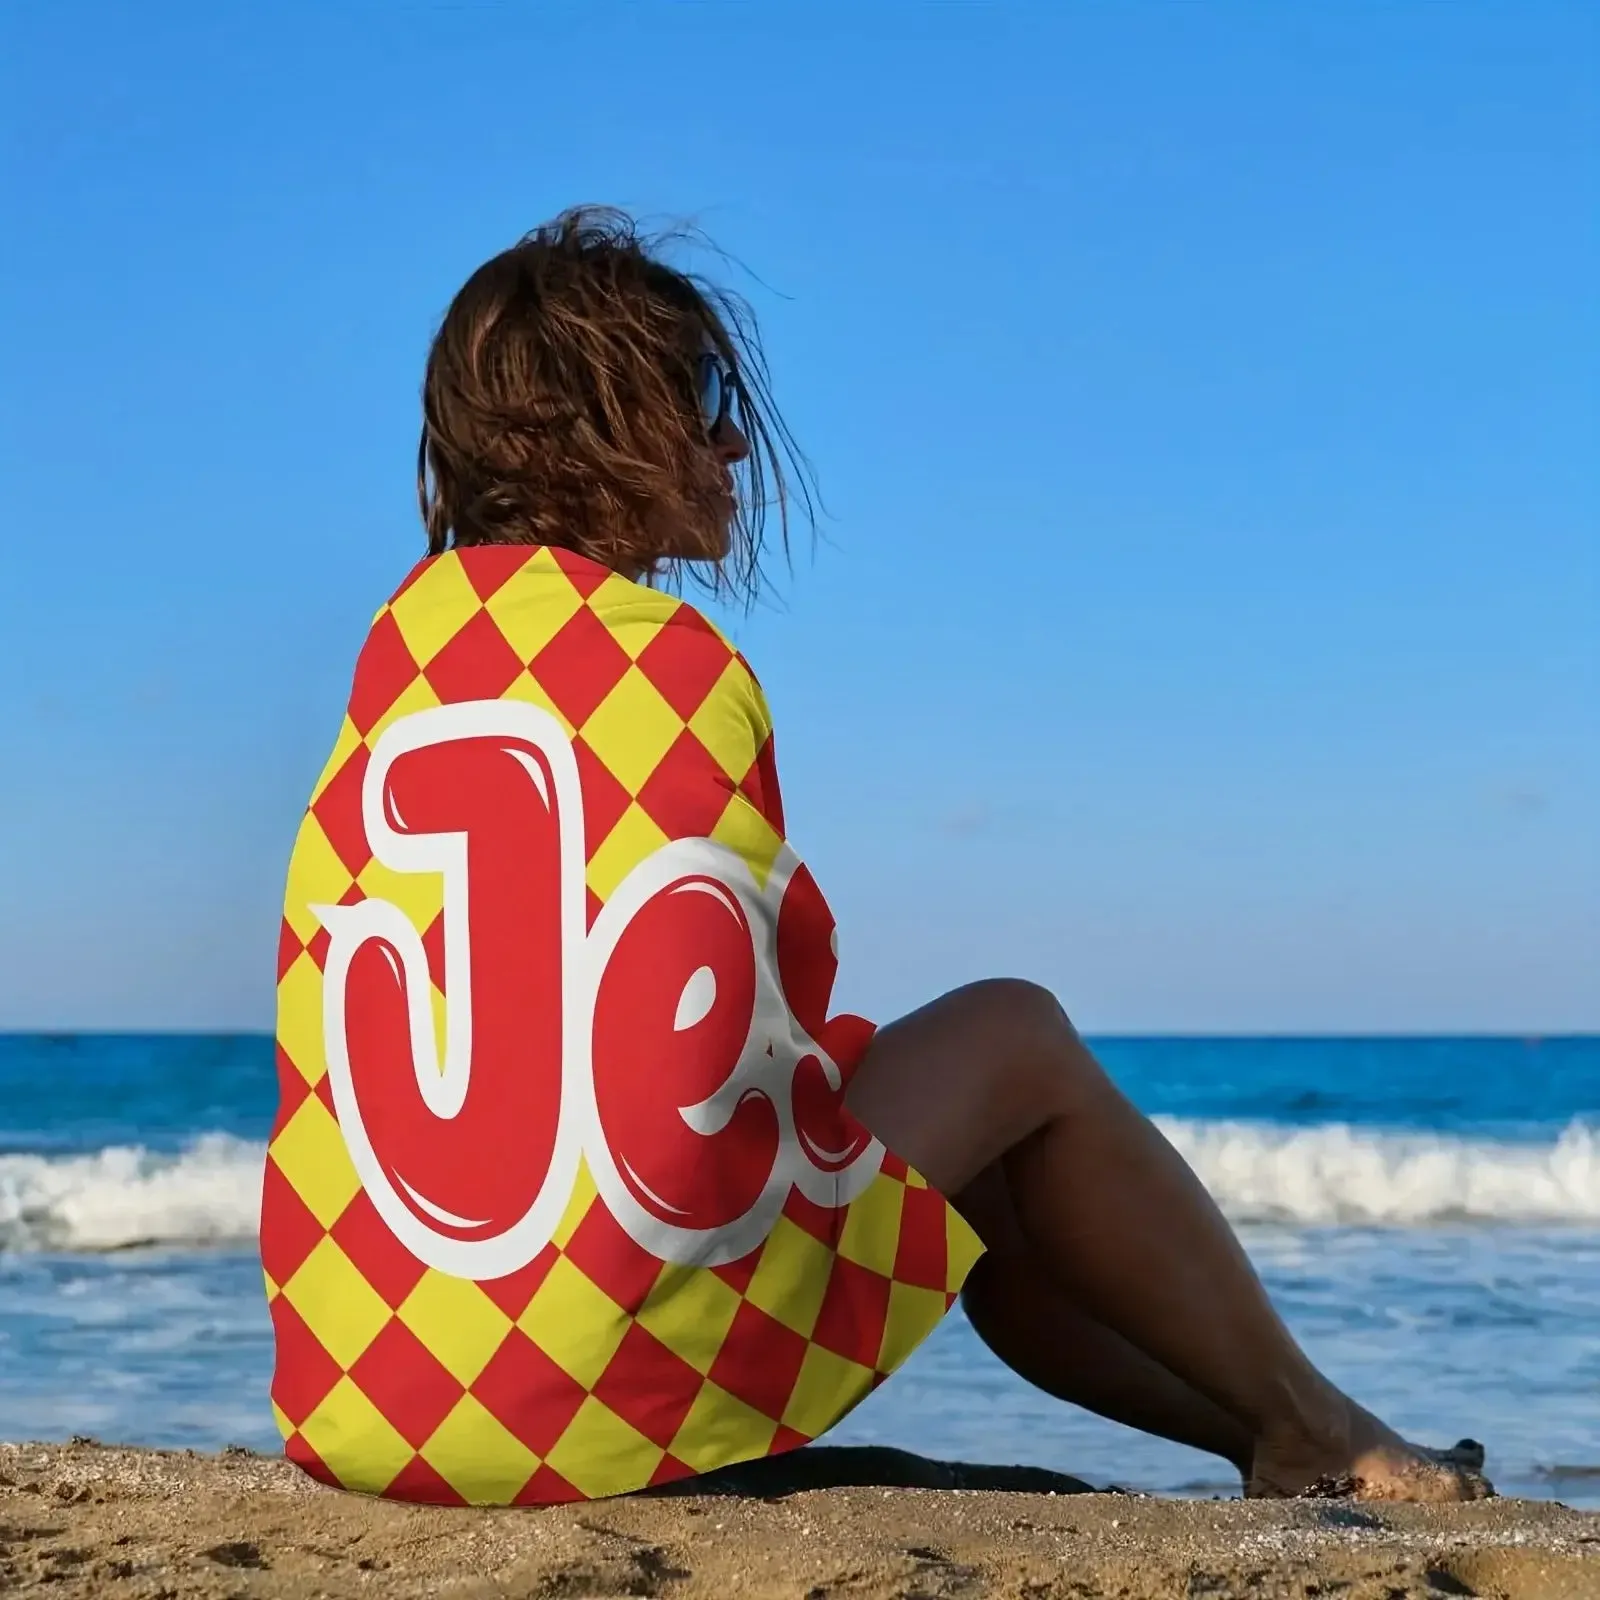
[[717, 385]]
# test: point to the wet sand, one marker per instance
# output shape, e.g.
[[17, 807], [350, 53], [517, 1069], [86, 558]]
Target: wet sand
[[82, 1519]]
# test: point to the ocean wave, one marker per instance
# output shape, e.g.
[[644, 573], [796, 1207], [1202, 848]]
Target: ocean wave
[[209, 1192], [124, 1196], [1338, 1174]]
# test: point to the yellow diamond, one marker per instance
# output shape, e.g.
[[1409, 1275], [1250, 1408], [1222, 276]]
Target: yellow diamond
[[913, 1314], [634, 837], [435, 608], [417, 695], [300, 1018], [457, 1322], [632, 728], [574, 1322], [578, 1203], [340, 1307], [311, 1154], [871, 1234], [316, 877], [690, 1310], [419, 894], [720, 1430], [530, 615], [791, 1277], [730, 722], [745, 831], [347, 742], [356, 1441], [962, 1249], [600, 1454], [633, 614], [828, 1386], [477, 1457], [526, 688]]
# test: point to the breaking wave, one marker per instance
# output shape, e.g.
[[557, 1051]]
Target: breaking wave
[[1339, 1174], [209, 1192]]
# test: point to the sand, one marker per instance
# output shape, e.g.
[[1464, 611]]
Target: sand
[[83, 1519]]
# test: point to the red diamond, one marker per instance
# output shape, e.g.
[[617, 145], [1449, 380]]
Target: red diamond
[[490, 567], [323, 1090], [289, 1232], [584, 574], [547, 1488], [922, 1256], [648, 1386], [608, 1258], [684, 661], [580, 666], [412, 576], [338, 809], [417, 1482], [527, 1393], [378, 1256], [383, 669], [787, 1439], [854, 1311], [305, 1372], [477, 663], [759, 1361], [292, 1089], [604, 798], [760, 786], [821, 1222], [318, 948], [513, 1292], [298, 1450], [405, 1381], [737, 1274], [687, 792], [671, 1470], [289, 948]]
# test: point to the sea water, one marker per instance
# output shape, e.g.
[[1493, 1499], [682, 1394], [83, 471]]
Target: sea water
[[1426, 1213]]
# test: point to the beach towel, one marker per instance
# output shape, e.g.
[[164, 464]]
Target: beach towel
[[561, 1199]]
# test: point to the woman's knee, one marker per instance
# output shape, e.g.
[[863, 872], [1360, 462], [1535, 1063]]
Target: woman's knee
[[1028, 1019], [955, 1085]]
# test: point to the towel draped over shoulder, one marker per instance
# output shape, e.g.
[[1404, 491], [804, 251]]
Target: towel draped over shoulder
[[562, 1199]]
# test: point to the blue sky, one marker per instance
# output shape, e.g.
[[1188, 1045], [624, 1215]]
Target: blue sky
[[1205, 398]]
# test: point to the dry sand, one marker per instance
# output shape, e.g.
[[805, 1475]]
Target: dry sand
[[83, 1519]]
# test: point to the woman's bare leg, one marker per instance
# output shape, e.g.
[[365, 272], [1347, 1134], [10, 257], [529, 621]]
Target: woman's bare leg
[[995, 1073], [1015, 1307]]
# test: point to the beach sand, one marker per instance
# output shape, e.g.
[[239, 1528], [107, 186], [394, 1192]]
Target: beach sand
[[85, 1519]]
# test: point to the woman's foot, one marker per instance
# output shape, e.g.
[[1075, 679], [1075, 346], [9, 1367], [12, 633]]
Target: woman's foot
[[1366, 1460]]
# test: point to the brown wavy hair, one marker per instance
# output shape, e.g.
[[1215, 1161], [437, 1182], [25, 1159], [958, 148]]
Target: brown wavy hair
[[560, 407]]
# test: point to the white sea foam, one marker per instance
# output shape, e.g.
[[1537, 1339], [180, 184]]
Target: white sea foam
[[1332, 1173], [123, 1196], [209, 1193]]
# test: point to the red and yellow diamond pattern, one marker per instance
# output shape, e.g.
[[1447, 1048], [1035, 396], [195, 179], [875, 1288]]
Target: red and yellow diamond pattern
[[597, 1369]]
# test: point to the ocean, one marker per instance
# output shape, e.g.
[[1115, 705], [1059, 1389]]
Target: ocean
[[1426, 1212]]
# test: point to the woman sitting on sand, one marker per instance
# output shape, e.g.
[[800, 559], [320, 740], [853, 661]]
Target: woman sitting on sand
[[576, 1186]]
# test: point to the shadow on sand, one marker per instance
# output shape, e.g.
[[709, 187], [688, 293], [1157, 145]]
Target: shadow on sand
[[867, 1466]]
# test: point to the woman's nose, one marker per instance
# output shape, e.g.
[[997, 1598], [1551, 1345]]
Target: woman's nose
[[732, 446]]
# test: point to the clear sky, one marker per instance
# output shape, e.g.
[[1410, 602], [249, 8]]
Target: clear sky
[[1205, 397]]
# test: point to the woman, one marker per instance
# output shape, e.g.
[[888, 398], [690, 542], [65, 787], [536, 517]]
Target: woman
[[577, 1187]]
